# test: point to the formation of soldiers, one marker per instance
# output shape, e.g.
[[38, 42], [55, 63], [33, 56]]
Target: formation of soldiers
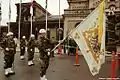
[[43, 44]]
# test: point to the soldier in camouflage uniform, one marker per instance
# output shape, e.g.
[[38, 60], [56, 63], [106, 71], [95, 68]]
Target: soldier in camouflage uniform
[[22, 47], [4, 36], [9, 47], [31, 49], [44, 46]]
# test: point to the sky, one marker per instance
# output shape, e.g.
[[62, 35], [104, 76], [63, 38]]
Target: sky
[[53, 8]]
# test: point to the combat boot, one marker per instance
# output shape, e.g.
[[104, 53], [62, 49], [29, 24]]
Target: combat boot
[[29, 63], [10, 71], [44, 77], [6, 72], [32, 63], [21, 57]]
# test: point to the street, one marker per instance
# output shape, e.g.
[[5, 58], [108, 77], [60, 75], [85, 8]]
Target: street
[[61, 68]]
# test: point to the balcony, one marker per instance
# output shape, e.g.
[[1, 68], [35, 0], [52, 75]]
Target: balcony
[[78, 12]]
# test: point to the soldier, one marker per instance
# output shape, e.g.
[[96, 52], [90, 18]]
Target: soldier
[[9, 52], [44, 46], [31, 49], [22, 47]]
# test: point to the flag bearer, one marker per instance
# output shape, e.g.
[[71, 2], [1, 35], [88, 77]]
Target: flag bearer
[[44, 47]]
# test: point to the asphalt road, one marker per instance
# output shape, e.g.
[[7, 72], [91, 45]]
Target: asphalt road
[[61, 68]]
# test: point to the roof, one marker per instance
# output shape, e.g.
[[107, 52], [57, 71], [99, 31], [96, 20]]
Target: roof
[[50, 18], [3, 26], [34, 4]]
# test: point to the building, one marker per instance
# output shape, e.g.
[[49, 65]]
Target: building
[[79, 9], [113, 17], [3, 30], [39, 21]]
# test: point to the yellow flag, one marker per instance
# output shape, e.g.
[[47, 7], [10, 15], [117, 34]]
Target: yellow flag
[[90, 37], [100, 21]]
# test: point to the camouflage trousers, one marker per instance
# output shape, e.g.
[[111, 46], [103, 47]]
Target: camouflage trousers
[[44, 66], [9, 59], [22, 51], [30, 54]]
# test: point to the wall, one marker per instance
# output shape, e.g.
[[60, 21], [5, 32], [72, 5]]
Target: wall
[[69, 23]]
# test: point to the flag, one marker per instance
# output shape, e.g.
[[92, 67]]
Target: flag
[[31, 12], [31, 8], [46, 4], [90, 37]]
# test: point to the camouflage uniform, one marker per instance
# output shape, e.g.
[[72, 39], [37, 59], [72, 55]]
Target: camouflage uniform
[[9, 54], [31, 49], [22, 46], [43, 46]]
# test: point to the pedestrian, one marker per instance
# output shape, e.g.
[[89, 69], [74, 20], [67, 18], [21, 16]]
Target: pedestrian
[[22, 47], [9, 47], [44, 47], [31, 49]]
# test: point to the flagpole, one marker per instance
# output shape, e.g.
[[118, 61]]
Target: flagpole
[[59, 20], [19, 23], [72, 30], [9, 15], [31, 11], [31, 25], [46, 17]]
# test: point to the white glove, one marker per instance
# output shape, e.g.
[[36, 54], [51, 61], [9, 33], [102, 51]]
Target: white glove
[[7, 49], [48, 50], [48, 53], [41, 62], [30, 49]]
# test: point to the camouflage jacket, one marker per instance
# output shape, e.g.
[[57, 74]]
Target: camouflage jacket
[[31, 44], [22, 43], [43, 45], [10, 44]]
